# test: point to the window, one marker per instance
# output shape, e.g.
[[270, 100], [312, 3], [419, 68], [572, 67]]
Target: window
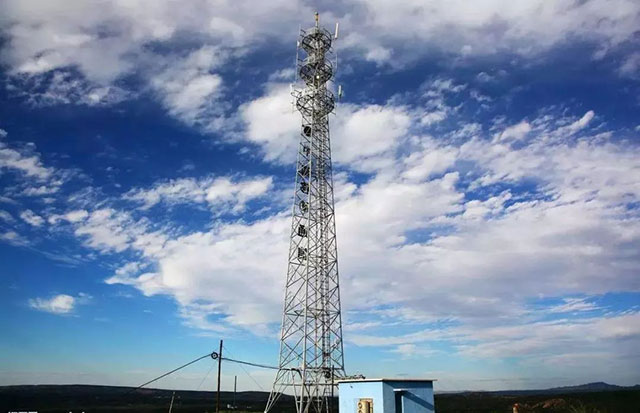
[[398, 395]]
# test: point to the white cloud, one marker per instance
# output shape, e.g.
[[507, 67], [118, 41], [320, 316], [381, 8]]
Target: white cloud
[[492, 207], [362, 136], [484, 77], [41, 190], [562, 337], [47, 35], [5, 216], [579, 124], [631, 65], [31, 177], [13, 238], [435, 93], [224, 194], [71, 216], [440, 86], [108, 230], [28, 164], [430, 212], [65, 88], [472, 260], [104, 44], [431, 159], [574, 305], [579, 348], [31, 218], [515, 132], [76, 216], [187, 265], [58, 304], [273, 124], [476, 257], [431, 118], [224, 191], [407, 351], [488, 27], [176, 191], [188, 89]]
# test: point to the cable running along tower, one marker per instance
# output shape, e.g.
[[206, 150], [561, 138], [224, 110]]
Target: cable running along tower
[[311, 351]]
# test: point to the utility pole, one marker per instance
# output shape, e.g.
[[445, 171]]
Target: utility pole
[[311, 350], [219, 371], [235, 388]]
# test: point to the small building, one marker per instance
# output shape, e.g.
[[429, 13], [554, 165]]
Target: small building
[[386, 396]]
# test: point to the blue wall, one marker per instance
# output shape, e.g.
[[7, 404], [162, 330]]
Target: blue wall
[[417, 396]]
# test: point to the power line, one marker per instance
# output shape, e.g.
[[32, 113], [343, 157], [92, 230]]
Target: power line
[[246, 372], [214, 356], [264, 366], [207, 375]]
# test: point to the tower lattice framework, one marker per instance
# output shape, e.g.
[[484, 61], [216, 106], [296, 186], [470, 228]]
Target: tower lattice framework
[[311, 350]]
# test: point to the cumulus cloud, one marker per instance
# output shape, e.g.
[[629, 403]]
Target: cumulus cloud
[[187, 265], [464, 226], [13, 238], [68, 39], [361, 134], [458, 248], [106, 44], [33, 178], [66, 88], [31, 218], [631, 65], [433, 117], [578, 124], [60, 304], [222, 193], [549, 346], [515, 132], [109, 230], [272, 123], [589, 335], [6, 217], [189, 88], [71, 216], [22, 162], [428, 160], [488, 27]]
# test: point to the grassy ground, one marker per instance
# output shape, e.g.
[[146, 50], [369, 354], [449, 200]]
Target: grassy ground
[[626, 401], [102, 399]]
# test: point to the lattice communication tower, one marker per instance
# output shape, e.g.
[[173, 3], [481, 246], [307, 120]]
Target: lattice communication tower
[[311, 351]]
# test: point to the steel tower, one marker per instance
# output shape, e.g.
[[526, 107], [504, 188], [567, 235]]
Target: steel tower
[[311, 351]]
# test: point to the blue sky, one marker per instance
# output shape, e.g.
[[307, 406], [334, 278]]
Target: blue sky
[[487, 168]]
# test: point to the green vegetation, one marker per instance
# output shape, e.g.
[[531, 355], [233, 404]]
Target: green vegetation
[[620, 401], [103, 399]]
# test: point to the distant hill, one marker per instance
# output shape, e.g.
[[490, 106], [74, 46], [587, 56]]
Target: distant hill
[[582, 388], [597, 386]]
